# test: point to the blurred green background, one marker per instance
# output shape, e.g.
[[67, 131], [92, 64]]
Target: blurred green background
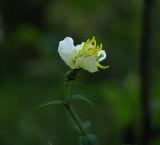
[[33, 73]]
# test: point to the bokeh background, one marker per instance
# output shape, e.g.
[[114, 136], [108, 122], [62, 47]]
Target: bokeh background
[[32, 73]]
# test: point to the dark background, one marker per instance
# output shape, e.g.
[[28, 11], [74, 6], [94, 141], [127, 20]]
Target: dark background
[[126, 96]]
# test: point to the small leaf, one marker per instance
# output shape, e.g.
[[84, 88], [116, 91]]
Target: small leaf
[[86, 125], [88, 140], [55, 102], [82, 98]]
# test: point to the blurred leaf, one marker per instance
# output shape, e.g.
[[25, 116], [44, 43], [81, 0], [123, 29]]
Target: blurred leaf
[[88, 140], [55, 102], [50, 143], [86, 125], [82, 98]]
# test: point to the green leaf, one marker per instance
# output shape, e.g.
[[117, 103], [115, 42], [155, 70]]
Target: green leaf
[[86, 125], [50, 103], [82, 98], [88, 140]]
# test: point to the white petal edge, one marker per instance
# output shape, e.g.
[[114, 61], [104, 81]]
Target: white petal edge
[[102, 52], [67, 43], [66, 50]]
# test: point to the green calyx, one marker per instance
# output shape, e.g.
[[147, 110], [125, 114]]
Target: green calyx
[[71, 75]]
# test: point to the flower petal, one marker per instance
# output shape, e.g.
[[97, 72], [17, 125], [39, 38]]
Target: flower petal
[[67, 43], [101, 55], [66, 50], [87, 63], [77, 49]]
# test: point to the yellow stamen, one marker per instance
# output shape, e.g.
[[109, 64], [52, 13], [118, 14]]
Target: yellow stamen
[[99, 48], [90, 47], [94, 43], [101, 66], [84, 46]]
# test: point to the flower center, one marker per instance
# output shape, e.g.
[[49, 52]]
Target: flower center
[[90, 48]]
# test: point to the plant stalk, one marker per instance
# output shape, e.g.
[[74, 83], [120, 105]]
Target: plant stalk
[[71, 75], [74, 117]]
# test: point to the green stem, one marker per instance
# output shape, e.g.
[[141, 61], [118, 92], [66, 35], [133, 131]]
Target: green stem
[[71, 75], [75, 118], [67, 92]]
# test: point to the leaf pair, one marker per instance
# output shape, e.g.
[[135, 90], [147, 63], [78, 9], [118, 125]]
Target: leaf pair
[[82, 98], [50, 103], [60, 102]]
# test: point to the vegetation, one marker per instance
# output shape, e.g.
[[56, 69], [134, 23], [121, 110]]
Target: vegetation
[[33, 73]]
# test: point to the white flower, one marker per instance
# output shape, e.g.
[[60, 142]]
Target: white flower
[[86, 55]]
